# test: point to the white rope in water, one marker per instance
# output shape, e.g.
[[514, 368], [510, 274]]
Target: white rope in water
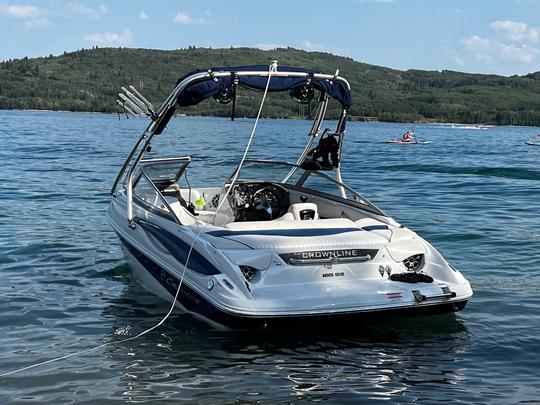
[[273, 68]]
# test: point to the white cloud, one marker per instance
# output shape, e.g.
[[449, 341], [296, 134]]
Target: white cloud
[[459, 61], [80, 8], [523, 53], [517, 31], [516, 52], [457, 10], [109, 38], [33, 17], [314, 47], [22, 11], [310, 46], [37, 23], [267, 47], [490, 51], [182, 18], [143, 16]]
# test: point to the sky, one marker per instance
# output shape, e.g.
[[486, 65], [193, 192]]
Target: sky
[[477, 36]]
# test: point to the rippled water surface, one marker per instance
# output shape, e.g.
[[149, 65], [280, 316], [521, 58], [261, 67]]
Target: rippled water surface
[[65, 286]]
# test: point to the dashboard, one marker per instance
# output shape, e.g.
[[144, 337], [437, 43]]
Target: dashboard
[[259, 201]]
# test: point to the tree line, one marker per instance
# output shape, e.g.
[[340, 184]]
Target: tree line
[[89, 80]]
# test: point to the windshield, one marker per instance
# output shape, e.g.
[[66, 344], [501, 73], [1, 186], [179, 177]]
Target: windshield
[[296, 177], [165, 170]]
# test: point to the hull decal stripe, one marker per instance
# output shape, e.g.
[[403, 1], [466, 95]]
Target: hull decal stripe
[[179, 249], [190, 299]]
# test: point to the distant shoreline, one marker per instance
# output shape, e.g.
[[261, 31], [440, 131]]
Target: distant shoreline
[[458, 125]]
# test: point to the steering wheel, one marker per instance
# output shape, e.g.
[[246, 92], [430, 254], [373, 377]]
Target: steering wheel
[[271, 198]]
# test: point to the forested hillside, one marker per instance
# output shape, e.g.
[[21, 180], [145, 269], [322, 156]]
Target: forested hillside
[[89, 80]]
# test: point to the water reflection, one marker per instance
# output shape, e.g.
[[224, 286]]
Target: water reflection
[[186, 359]]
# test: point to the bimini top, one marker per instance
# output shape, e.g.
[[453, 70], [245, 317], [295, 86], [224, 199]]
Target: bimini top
[[223, 79]]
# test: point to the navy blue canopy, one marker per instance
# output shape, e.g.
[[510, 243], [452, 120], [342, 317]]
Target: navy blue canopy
[[200, 91]]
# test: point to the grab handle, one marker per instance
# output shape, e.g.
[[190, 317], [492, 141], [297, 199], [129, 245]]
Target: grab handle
[[419, 297]]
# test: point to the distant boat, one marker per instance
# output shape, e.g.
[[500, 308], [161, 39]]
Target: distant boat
[[531, 143], [479, 126]]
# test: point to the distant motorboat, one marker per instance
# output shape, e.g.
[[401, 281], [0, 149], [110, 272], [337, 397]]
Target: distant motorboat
[[479, 126]]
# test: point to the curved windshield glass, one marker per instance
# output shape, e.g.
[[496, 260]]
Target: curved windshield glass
[[296, 177]]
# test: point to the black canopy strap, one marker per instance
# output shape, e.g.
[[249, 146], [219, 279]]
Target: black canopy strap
[[309, 81], [234, 79]]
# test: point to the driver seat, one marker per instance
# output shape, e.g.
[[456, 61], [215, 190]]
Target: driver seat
[[300, 212]]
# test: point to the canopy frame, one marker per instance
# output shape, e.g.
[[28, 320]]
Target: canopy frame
[[165, 112]]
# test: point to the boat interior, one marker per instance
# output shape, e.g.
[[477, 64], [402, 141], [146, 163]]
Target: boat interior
[[301, 199]]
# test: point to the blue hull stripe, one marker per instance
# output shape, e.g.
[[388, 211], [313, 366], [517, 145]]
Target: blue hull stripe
[[179, 249], [286, 232], [189, 298]]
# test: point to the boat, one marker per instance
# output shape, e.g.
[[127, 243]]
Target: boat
[[532, 143], [276, 244], [464, 126]]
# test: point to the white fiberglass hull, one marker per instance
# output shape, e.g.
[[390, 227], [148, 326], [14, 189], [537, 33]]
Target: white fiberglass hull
[[284, 295]]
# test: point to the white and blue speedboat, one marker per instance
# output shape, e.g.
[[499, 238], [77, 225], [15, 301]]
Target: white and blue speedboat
[[276, 244]]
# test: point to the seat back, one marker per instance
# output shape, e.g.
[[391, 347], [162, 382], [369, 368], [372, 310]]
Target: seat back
[[304, 211]]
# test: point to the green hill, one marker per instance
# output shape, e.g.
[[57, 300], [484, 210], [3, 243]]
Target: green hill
[[89, 80]]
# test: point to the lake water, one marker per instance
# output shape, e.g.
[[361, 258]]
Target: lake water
[[65, 286]]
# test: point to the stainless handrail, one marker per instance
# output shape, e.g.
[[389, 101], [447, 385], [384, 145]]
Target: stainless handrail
[[167, 159], [419, 297]]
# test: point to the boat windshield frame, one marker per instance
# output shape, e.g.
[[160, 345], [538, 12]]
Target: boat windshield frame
[[358, 198]]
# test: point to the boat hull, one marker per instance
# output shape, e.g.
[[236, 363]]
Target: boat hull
[[164, 284]]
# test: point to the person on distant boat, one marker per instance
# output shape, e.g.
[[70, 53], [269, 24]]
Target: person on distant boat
[[406, 137]]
